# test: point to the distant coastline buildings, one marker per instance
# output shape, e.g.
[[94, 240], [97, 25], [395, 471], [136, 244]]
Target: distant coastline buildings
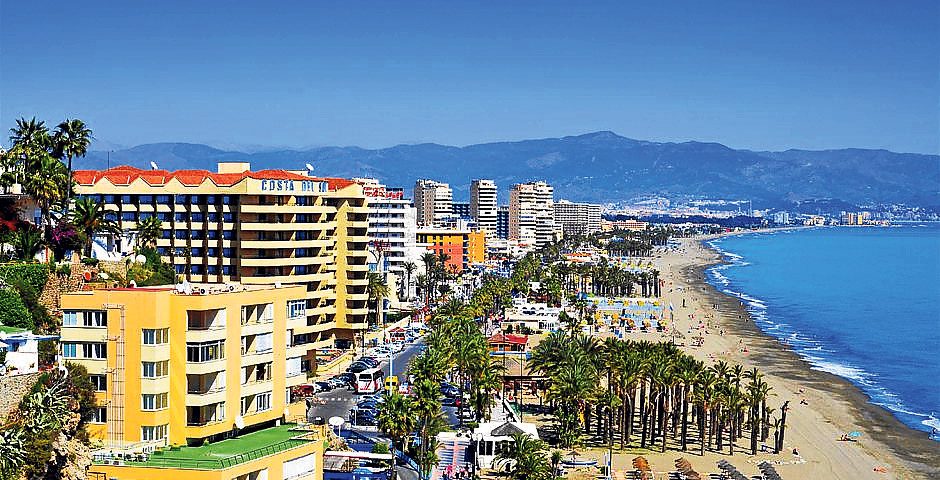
[[578, 218], [532, 213], [433, 202], [483, 204]]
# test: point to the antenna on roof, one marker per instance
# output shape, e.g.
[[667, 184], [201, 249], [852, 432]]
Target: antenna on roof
[[153, 166], [309, 167]]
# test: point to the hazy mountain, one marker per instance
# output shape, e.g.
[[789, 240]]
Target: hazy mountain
[[599, 167]]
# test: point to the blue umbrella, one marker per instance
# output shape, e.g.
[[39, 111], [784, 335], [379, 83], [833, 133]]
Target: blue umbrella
[[855, 434]]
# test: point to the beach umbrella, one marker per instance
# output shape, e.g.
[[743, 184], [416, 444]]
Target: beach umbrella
[[855, 434]]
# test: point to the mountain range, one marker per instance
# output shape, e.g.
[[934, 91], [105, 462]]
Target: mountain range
[[597, 167]]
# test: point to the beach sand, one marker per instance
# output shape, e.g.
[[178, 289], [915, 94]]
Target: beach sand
[[833, 405]]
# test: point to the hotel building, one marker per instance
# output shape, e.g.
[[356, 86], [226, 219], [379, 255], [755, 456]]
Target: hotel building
[[213, 363], [392, 225], [269, 227], [531, 213], [578, 218], [433, 202], [483, 204]]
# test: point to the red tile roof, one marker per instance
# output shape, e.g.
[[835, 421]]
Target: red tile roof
[[509, 338], [124, 175]]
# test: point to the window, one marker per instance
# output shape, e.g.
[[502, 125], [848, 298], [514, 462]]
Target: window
[[196, 251], [226, 199], [99, 415], [300, 270], [69, 350], [293, 366], [126, 199], [227, 217], [211, 199], [149, 434], [181, 235], [212, 252], [226, 269], [205, 352], [196, 269], [163, 199], [197, 234], [228, 234], [99, 382], [166, 234], [85, 318], [196, 217], [212, 270], [263, 402], [263, 343], [227, 252], [155, 369], [128, 216], [246, 404], [213, 216], [158, 336], [296, 308], [163, 251], [263, 372], [95, 350], [146, 199], [153, 401], [181, 199]]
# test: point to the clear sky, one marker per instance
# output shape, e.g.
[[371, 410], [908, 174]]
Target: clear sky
[[749, 74]]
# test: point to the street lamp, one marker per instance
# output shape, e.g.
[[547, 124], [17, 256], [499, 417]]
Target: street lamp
[[476, 437]]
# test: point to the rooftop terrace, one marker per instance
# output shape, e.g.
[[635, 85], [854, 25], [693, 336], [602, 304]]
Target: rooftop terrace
[[225, 453]]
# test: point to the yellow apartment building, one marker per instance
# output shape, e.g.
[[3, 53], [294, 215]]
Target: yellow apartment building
[[266, 227], [206, 370]]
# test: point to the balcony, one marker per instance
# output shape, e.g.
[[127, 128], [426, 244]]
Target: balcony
[[200, 399], [203, 368]]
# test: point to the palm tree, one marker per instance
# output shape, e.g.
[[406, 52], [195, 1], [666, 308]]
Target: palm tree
[[410, 268], [430, 260], [396, 419], [27, 243], [91, 218], [71, 139], [524, 459], [30, 141], [377, 290], [47, 185], [148, 231]]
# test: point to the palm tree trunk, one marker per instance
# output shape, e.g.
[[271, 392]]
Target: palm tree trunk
[[685, 419]]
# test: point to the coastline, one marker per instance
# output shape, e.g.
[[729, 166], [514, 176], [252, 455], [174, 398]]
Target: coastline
[[835, 400]]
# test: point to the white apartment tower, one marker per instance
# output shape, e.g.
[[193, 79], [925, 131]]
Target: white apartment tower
[[433, 202], [531, 213], [483, 204], [578, 218], [392, 226]]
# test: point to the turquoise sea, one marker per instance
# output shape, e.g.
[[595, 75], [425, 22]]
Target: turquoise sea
[[862, 303]]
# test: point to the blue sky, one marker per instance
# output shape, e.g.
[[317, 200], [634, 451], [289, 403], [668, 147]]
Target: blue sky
[[747, 74]]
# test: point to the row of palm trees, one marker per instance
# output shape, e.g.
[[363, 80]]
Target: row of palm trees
[[647, 394], [607, 279]]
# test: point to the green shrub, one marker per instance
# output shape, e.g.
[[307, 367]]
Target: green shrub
[[32, 274], [90, 261], [13, 312]]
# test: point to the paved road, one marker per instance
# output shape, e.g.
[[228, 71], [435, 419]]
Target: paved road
[[340, 401]]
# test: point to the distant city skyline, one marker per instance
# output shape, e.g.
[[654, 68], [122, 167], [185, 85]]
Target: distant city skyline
[[748, 75]]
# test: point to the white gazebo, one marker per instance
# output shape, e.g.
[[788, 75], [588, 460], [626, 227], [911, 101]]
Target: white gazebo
[[490, 438]]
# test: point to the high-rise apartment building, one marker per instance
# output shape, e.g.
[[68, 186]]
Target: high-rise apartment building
[[268, 227], [433, 202], [462, 211], [578, 218], [531, 213], [181, 367], [392, 225], [483, 204], [463, 247], [502, 222]]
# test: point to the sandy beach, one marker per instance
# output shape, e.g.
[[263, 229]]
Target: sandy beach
[[823, 406]]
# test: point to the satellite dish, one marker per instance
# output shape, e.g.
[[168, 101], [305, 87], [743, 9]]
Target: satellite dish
[[309, 167], [140, 259], [187, 288], [336, 421], [103, 275], [240, 422], [153, 166]]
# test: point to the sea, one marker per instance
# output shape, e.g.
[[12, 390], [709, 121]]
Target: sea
[[859, 302]]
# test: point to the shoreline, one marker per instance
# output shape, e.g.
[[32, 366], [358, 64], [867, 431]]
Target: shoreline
[[911, 452]]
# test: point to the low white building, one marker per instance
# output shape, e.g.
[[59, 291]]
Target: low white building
[[490, 438], [535, 316], [22, 350]]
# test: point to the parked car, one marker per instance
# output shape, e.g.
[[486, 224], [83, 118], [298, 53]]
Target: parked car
[[381, 351], [449, 391], [396, 346], [369, 360], [450, 402], [342, 380], [358, 366], [323, 386]]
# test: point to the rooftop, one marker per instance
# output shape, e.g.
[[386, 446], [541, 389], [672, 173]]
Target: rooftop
[[187, 288], [125, 175], [229, 452]]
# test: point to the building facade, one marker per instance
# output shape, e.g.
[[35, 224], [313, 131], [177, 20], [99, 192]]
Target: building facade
[[483, 204], [177, 367], [502, 222], [578, 218], [433, 202], [462, 247], [268, 227], [531, 213], [392, 225]]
